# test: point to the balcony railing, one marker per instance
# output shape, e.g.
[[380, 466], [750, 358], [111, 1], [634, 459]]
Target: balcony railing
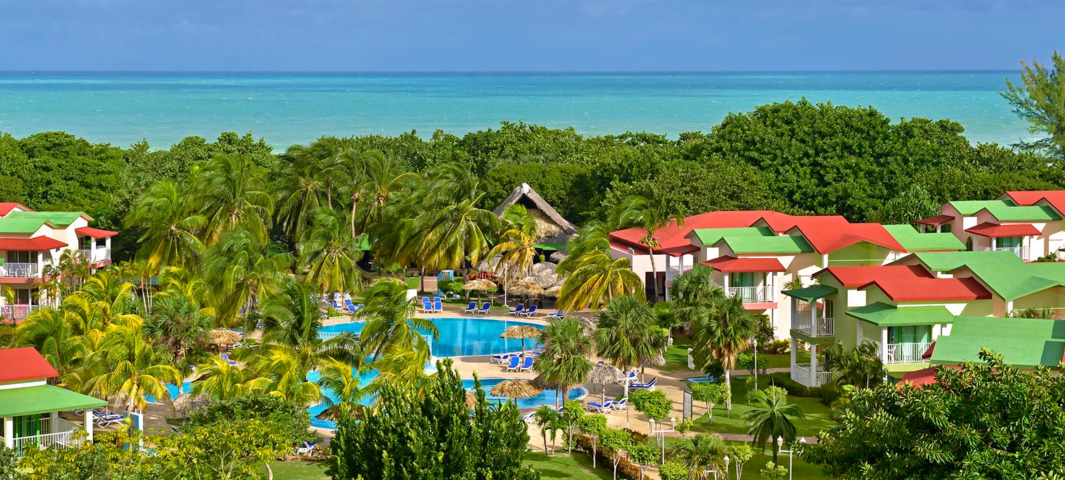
[[801, 320], [19, 270], [909, 352], [63, 437], [802, 373], [1019, 251], [17, 312], [94, 255], [761, 294]]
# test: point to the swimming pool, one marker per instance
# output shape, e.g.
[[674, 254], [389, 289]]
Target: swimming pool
[[547, 397], [461, 337]]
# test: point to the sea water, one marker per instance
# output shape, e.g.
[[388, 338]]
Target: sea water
[[286, 109]]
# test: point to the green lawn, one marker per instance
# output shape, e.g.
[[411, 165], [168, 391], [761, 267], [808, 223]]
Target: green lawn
[[298, 471], [817, 415], [563, 465]]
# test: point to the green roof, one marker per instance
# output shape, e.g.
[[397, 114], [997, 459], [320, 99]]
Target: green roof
[[884, 315], [1024, 342], [969, 208], [780, 245], [710, 236], [810, 293], [550, 246], [43, 399], [363, 244], [914, 241], [1003, 272], [1036, 213], [26, 223]]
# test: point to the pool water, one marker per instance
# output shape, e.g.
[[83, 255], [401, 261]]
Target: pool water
[[461, 336]]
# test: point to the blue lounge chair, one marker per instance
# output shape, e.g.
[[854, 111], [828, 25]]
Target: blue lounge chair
[[620, 405], [306, 448], [226, 358], [438, 305], [629, 377], [337, 305], [351, 306], [527, 313], [426, 306], [644, 386], [499, 358], [518, 309], [526, 365], [557, 314], [485, 308], [602, 407], [472, 307], [515, 364], [107, 419]]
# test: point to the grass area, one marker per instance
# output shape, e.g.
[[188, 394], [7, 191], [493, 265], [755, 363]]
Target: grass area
[[298, 471], [783, 360], [563, 465], [801, 469], [818, 416]]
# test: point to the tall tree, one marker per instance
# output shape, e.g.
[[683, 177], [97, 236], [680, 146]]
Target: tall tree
[[860, 366], [180, 325], [240, 273], [722, 336], [564, 361], [393, 335], [1041, 101], [373, 182], [171, 226], [516, 248], [650, 214], [230, 192], [770, 417], [598, 278], [627, 333], [329, 254], [300, 190]]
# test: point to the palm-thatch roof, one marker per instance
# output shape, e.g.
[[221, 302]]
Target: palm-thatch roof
[[481, 285], [553, 228], [516, 389], [603, 374], [224, 336], [520, 331], [188, 402], [553, 292], [527, 289]]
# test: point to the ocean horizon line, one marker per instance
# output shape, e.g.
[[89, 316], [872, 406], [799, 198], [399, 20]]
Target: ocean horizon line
[[491, 72]]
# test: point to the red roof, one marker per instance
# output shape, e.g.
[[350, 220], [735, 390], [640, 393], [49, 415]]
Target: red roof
[[679, 250], [745, 264], [855, 277], [829, 234], [995, 230], [673, 236], [1055, 198], [924, 376], [907, 287], [22, 364], [7, 207], [94, 232], [35, 244], [936, 220]]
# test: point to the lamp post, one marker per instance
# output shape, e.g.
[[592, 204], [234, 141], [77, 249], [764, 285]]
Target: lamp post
[[661, 433], [780, 441]]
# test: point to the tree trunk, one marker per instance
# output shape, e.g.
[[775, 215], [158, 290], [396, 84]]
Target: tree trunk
[[775, 451], [544, 432], [595, 449], [728, 388], [269, 471], [654, 273]]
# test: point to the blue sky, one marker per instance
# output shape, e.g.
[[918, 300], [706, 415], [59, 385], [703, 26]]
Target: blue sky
[[526, 35]]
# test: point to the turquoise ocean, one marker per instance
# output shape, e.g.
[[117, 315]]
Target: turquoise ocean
[[285, 109]]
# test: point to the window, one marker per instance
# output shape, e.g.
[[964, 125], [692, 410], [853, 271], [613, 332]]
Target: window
[[945, 228], [744, 279], [914, 334], [21, 257], [1009, 242], [86, 243]]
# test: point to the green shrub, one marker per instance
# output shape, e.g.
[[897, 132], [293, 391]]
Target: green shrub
[[772, 471], [828, 392], [775, 347], [673, 471], [746, 360], [783, 380], [626, 469], [292, 418]]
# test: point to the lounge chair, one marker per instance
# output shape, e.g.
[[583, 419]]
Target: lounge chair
[[627, 377], [557, 314], [351, 306], [526, 365], [107, 419], [601, 407], [644, 386], [337, 305], [499, 358], [619, 405], [515, 363], [529, 418], [518, 309], [472, 307], [485, 308], [438, 305], [306, 448], [226, 358], [426, 306], [527, 313]]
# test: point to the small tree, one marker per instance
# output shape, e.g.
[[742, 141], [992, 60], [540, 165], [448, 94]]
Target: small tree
[[614, 441], [547, 420], [9, 464], [571, 415], [684, 427], [593, 426], [654, 405], [672, 471], [643, 454], [770, 417], [772, 471], [710, 394], [740, 453]]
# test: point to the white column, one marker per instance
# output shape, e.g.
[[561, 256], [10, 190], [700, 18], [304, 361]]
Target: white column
[[883, 344], [794, 346], [994, 243], [858, 337], [53, 423], [88, 425], [813, 365], [669, 277], [813, 318], [725, 281], [9, 432], [1009, 307]]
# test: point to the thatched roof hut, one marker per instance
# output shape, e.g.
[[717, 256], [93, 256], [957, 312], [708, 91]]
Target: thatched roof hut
[[553, 228]]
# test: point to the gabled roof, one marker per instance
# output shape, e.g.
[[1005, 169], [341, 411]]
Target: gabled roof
[[856, 277], [936, 220], [909, 288], [998, 231], [35, 244], [671, 235], [24, 364], [710, 236], [828, 235], [746, 264], [27, 223], [7, 207], [914, 241], [1024, 342], [1002, 272], [1036, 213], [884, 315], [1054, 198], [969, 208], [95, 232], [811, 293], [769, 245], [44, 399], [526, 191]]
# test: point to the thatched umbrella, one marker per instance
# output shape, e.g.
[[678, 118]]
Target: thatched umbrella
[[553, 292], [602, 374], [522, 332], [224, 336], [471, 399], [526, 289], [516, 389], [186, 403], [481, 285], [557, 257]]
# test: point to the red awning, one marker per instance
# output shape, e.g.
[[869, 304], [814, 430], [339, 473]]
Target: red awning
[[35, 244], [739, 265], [94, 232], [936, 220], [997, 231], [679, 250]]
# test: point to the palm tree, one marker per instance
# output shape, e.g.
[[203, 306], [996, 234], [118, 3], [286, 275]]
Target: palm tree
[[329, 254], [858, 366], [178, 324], [299, 190], [597, 279], [222, 381], [695, 295], [134, 368], [548, 422], [374, 180], [702, 453], [452, 235], [650, 216], [564, 361], [392, 334], [722, 336], [171, 227], [770, 417], [49, 331], [240, 272], [517, 244], [342, 379], [231, 193], [628, 335]]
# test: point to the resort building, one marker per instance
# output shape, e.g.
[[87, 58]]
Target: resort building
[[554, 230], [31, 242], [30, 407]]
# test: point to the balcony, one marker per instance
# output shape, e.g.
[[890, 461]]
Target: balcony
[[801, 373], [812, 323], [19, 270], [62, 437], [17, 311], [760, 294], [95, 255], [909, 352], [1019, 251]]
